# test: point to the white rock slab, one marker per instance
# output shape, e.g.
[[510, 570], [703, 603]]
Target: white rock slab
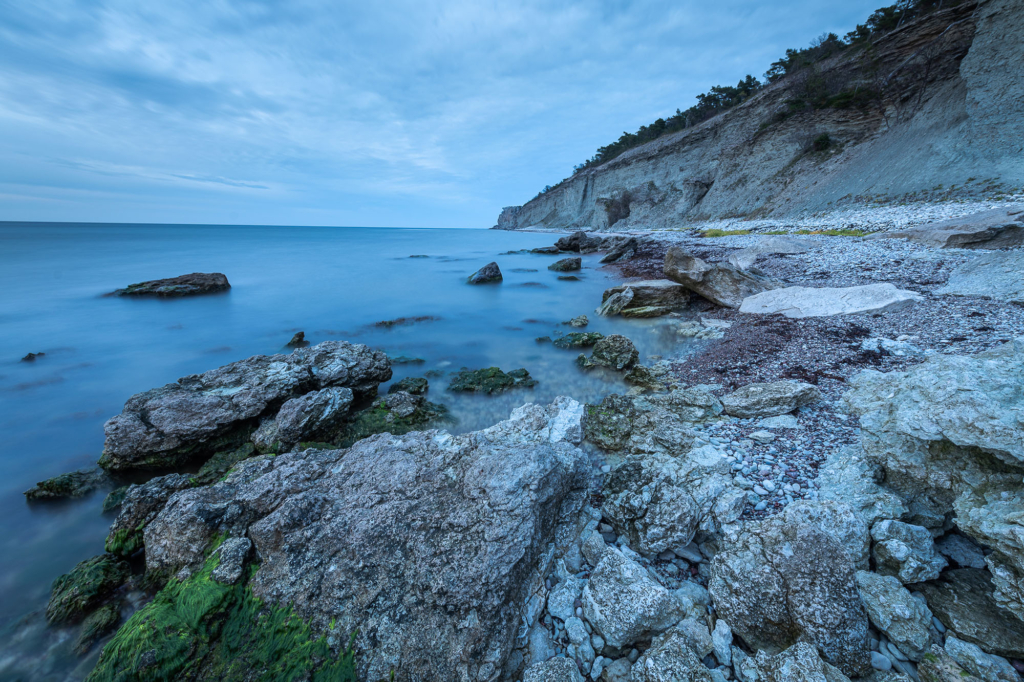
[[745, 258], [798, 302]]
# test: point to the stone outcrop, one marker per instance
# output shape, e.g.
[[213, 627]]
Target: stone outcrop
[[721, 283], [308, 417], [71, 485], [186, 285], [579, 241], [998, 228], [653, 292], [488, 274], [566, 264], [800, 302], [77, 593], [769, 400], [998, 275]]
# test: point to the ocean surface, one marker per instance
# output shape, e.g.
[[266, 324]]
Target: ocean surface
[[332, 283]]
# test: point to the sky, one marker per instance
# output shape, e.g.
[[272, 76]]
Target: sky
[[329, 112]]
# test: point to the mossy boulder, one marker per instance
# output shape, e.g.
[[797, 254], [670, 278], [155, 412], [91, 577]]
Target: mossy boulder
[[396, 414], [412, 385], [575, 340], [114, 499], [96, 626], [70, 485], [490, 380], [609, 424], [85, 587]]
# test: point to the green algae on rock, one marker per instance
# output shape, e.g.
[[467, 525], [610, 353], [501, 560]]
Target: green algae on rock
[[185, 285], [69, 485], [575, 340], [218, 466], [398, 413], [490, 380], [413, 385], [89, 583], [97, 625], [114, 499]]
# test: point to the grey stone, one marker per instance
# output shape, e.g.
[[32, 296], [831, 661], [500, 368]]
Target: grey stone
[[623, 249], [614, 304], [880, 662], [306, 418], [578, 321], [553, 670], [891, 608], [850, 478], [721, 283], [663, 293], [670, 659], [984, 666], [800, 302], [938, 666], [579, 241], [615, 352], [782, 421], [617, 671], [141, 504], [799, 662], [998, 228], [539, 643], [768, 400], [745, 258], [567, 264], [838, 520], [722, 641], [488, 274], [762, 437], [231, 557], [906, 551], [960, 550], [562, 598], [184, 285], [695, 635], [998, 275]]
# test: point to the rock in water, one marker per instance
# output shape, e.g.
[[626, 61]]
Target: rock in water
[[579, 241], [615, 352], [31, 357], [413, 385], [769, 400], [745, 258], [298, 341], [721, 283], [567, 264], [614, 304], [204, 413], [490, 380], [70, 485], [185, 285], [578, 321], [578, 340], [486, 275], [799, 302], [998, 275], [85, 587], [998, 228], [653, 292], [450, 532]]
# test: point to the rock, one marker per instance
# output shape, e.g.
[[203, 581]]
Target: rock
[[411, 385], [890, 347], [623, 249], [880, 662], [575, 340], [405, 360], [114, 499], [568, 278], [777, 583], [962, 601], [782, 421], [231, 560], [998, 228], [140, 505], [578, 321], [998, 275], [539, 643], [762, 437], [491, 380], [658, 293], [976, 662], [838, 520], [71, 485], [77, 593], [614, 304], [906, 551], [567, 264], [185, 285], [722, 642], [553, 670], [551, 250], [310, 417], [645, 378], [645, 312], [298, 341], [617, 671], [220, 464], [745, 258], [960, 550], [799, 302], [396, 413], [901, 617], [488, 274], [579, 241], [670, 659], [938, 666], [615, 352], [31, 357], [657, 424], [332, 527], [96, 626], [768, 400], [562, 598], [721, 283], [205, 413], [798, 663], [624, 604]]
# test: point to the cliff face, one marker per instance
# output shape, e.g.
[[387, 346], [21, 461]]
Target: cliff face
[[948, 110]]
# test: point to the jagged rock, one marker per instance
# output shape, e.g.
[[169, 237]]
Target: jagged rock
[[298, 341], [938, 666], [769, 400], [645, 378], [184, 285], [77, 593], [798, 663], [892, 609], [617, 671], [231, 554], [140, 505], [653, 293], [574, 340], [220, 463], [578, 321], [653, 424], [906, 551], [961, 551], [333, 526], [563, 596], [799, 302], [490, 380], [745, 258], [540, 644], [998, 228], [645, 312], [488, 274], [615, 352], [623, 603], [840, 521], [548, 250], [567, 264], [721, 640], [71, 485], [976, 662], [614, 304], [411, 385], [778, 582], [620, 249], [205, 413], [307, 418], [553, 670], [1008, 582], [998, 275], [962, 601], [579, 241], [720, 283], [670, 659], [31, 357]]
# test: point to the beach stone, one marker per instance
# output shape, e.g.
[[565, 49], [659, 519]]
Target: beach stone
[[721, 283], [645, 312], [644, 377], [623, 603], [984, 666], [71, 485], [490, 380], [540, 644], [906, 551], [798, 663], [578, 321], [670, 659], [615, 352], [962, 601], [650, 424], [619, 249], [762, 437], [579, 241], [782, 421], [78, 592], [880, 662], [331, 526], [800, 302], [663, 293], [567, 264], [306, 418], [745, 258], [998, 228], [617, 671], [614, 304], [185, 285], [837, 519], [563, 596], [488, 274], [897, 614], [553, 670], [575, 340], [938, 666], [411, 385], [768, 400], [998, 275]]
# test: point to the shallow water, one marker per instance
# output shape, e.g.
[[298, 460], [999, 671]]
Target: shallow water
[[333, 283]]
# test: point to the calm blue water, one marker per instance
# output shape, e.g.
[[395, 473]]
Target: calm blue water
[[333, 283]]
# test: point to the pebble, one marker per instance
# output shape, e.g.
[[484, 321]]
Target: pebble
[[880, 662]]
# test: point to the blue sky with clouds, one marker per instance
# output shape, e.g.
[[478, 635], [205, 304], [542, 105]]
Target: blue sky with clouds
[[320, 112]]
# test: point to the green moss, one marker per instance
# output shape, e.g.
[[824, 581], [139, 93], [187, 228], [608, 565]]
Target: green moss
[[379, 419], [100, 622], [836, 233], [575, 340], [490, 380], [218, 466], [84, 587], [722, 233], [68, 486], [125, 542], [413, 385], [114, 499], [201, 629]]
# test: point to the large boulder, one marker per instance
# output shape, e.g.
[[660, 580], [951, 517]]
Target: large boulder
[[998, 275], [840, 521], [83, 589], [184, 285], [745, 258], [653, 292], [976, 662], [616, 303], [488, 274], [856, 482], [306, 418], [768, 400], [721, 283], [579, 241], [799, 302], [896, 613], [204, 413], [567, 264], [426, 545], [778, 583], [997, 228]]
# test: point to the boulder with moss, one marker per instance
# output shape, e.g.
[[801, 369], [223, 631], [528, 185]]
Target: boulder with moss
[[490, 380], [90, 582], [71, 485]]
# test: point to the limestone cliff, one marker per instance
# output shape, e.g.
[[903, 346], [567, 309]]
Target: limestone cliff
[[948, 110]]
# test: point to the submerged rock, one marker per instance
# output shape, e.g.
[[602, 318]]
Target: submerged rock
[[578, 321], [298, 341], [90, 582], [567, 264], [486, 275], [799, 302], [412, 385], [31, 357], [490, 380], [720, 283], [769, 400], [578, 340], [96, 626], [70, 485], [184, 285]]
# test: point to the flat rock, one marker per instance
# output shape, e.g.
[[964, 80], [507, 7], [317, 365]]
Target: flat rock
[[745, 258], [71, 485], [998, 228], [769, 400], [721, 283], [998, 275], [645, 311], [653, 292], [488, 274], [184, 285], [799, 302], [962, 600]]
